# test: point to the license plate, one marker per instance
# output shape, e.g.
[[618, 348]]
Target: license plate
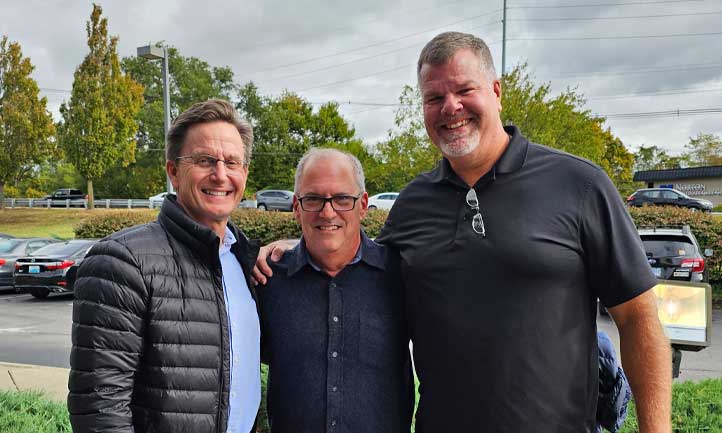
[[33, 269], [684, 274], [657, 272]]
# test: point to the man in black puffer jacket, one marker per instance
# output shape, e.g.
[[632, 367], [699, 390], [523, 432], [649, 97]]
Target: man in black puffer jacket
[[165, 324]]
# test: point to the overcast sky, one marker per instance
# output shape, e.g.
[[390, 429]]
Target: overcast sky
[[625, 56]]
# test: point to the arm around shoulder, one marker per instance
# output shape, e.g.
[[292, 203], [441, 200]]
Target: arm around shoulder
[[107, 339]]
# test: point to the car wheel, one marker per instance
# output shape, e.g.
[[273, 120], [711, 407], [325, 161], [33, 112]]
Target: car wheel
[[40, 293], [372, 207], [693, 209], [262, 207]]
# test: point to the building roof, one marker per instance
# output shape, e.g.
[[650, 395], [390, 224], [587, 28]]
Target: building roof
[[678, 173]]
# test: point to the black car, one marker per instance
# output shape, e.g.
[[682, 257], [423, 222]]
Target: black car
[[11, 249], [673, 253], [51, 268], [59, 198], [667, 197]]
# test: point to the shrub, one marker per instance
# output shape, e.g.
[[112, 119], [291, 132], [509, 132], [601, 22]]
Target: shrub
[[706, 228], [104, 223], [717, 208], [31, 192], [11, 192]]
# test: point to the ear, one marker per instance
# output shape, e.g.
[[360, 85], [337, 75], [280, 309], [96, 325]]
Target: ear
[[364, 203], [497, 93], [296, 209], [171, 170]]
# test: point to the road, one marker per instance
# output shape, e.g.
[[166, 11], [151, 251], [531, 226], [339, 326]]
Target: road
[[34, 331]]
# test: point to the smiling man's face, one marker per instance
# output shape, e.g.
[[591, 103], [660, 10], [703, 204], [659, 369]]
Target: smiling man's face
[[209, 195], [329, 232]]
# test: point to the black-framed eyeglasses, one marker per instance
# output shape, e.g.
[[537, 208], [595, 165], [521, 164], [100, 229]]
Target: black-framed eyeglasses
[[477, 223], [339, 203], [207, 162]]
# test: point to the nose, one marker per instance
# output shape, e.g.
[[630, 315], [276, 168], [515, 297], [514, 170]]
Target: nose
[[327, 210], [452, 104], [219, 170]]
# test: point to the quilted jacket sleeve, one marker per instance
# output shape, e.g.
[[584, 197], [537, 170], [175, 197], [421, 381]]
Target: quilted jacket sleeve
[[107, 337]]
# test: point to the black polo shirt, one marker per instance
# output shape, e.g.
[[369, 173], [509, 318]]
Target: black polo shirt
[[337, 348], [503, 326]]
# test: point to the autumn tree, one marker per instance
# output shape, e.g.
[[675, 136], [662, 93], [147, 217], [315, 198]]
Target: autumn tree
[[26, 127], [656, 158], [704, 149], [99, 122]]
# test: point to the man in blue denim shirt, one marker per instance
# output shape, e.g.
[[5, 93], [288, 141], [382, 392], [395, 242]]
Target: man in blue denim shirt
[[333, 328]]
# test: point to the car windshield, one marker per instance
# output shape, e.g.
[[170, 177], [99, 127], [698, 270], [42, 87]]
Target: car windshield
[[7, 245], [64, 249], [668, 246]]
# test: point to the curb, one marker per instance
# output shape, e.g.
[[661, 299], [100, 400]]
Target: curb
[[51, 381]]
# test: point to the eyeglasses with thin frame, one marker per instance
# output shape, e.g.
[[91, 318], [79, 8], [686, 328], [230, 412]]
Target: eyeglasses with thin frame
[[477, 223], [339, 203], [208, 162]]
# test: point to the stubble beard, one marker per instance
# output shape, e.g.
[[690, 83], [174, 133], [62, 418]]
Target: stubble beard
[[458, 145]]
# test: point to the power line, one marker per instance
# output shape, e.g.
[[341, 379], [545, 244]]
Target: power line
[[577, 38], [372, 45], [667, 113], [660, 93], [676, 68], [603, 4], [614, 18], [357, 78]]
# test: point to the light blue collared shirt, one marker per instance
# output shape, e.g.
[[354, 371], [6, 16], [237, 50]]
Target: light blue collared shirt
[[245, 337]]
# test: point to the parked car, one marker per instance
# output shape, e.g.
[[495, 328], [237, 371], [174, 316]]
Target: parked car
[[667, 197], [157, 200], [66, 194], [51, 268], [383, 200], [6, 236], [278, 199], [11, 249], [673, 253]]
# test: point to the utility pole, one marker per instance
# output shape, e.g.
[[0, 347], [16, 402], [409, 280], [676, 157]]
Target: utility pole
[[503, 42]]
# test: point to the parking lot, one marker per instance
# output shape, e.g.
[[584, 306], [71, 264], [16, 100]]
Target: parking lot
[[37, 331]]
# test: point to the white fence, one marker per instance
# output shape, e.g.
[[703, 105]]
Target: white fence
[[113, 203]]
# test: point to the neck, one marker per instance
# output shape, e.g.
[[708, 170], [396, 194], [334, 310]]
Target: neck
[[472, 167], [334, 262]]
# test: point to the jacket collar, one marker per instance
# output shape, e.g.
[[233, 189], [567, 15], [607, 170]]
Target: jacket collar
[[369, 251], [510, 161]]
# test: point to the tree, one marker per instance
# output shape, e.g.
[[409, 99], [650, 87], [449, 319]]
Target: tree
[[705, 149], [26, 127], [191, 80], [656, 158], [99, 126], [285, 127]]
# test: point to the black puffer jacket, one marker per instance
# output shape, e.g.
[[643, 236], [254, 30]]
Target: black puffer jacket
[[150, 332]]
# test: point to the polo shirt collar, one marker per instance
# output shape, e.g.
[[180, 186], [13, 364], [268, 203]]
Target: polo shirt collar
[[511, 160], [369, 252]]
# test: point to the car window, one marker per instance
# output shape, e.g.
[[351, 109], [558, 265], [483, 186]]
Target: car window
[[60, 249], [670, 194], [650, 194], [34, 245], [668, 246], [7, 245]]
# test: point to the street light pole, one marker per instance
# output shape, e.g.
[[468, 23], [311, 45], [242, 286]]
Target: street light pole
[[152, 52]]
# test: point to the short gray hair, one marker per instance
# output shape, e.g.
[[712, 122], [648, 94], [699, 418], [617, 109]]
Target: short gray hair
[[442, 48], [317, 153], [212, 110]]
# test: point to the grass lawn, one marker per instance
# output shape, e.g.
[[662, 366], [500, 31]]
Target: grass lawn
[[53, 223], [30, 412]]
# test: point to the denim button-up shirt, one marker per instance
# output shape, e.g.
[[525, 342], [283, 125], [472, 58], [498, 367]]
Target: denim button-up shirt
[[337, 347]]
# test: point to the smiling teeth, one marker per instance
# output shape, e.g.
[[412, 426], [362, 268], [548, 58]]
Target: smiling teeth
[[328, 228], [457, 124], [216, 193]]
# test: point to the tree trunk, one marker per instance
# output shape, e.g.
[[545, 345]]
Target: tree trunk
[[2, 195], [91, 197]]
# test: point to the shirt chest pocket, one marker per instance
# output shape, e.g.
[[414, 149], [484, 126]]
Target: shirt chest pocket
[[380, 341]]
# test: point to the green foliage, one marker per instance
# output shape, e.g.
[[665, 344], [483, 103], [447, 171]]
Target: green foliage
[[104, 224], [706, 228], [31, 192], [656, 158], [31, 412], [191, 80], [50, 176], [696, 407], [99, 126], [265, 226], [705, 149], [12, 192], [285, 127], [26, 127], [407, 152]]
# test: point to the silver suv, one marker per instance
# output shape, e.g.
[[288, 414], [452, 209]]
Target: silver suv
[[278, 199], [673, 253]]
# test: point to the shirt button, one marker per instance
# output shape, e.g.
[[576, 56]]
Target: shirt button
[[332, 285], [334, 389], [335, 318], [334, 354]]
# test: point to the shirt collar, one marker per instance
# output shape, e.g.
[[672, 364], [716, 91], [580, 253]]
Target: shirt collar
[[228, 241], [511, 160], [368, 252]]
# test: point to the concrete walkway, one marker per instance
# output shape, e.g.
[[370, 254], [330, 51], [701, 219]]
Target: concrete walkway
[[52, 381]]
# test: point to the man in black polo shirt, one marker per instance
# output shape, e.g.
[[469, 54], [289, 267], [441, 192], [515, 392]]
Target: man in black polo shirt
[[333, 329], [504, 249]]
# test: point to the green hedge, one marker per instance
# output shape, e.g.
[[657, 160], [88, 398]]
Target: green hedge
[[266, 226]]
